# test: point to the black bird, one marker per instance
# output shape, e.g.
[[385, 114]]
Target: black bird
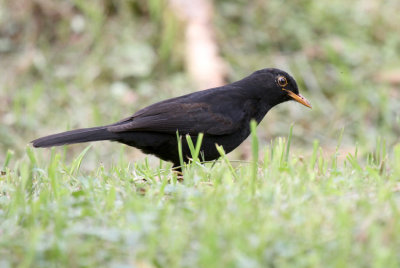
[[222, 114]]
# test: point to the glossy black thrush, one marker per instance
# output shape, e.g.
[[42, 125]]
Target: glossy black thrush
[[222, 114]]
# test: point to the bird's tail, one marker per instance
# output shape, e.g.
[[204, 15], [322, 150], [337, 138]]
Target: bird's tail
[[75, 136]]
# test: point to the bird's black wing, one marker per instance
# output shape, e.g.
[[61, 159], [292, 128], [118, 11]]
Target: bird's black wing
[[209, 112]]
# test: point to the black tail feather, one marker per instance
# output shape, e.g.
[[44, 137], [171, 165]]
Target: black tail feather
[[75, 136]]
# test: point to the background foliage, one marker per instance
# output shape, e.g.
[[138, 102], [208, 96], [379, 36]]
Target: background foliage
[[70, 64]]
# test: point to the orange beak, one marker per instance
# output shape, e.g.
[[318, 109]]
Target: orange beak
[[299, 98]]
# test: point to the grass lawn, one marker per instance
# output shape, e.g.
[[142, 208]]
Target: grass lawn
[[72, 64], [280, 210]]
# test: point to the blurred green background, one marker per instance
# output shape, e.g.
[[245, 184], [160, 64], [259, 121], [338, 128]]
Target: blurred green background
[[77, 63]]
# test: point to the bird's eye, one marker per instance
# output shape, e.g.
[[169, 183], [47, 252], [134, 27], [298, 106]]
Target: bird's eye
[[282, 81]]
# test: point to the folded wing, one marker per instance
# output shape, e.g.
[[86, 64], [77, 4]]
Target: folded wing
[[186, 116]]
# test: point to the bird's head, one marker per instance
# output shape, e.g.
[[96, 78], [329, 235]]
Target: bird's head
[[277, 86]]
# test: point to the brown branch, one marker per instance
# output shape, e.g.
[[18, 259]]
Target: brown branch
[[202, 59]]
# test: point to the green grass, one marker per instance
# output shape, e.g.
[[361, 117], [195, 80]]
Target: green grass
[[308, 202], [315, 211]]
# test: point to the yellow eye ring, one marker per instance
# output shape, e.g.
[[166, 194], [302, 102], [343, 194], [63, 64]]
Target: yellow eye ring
[[282, 81]]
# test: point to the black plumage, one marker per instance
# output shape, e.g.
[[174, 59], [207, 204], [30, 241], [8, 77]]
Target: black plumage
[[222, 114]]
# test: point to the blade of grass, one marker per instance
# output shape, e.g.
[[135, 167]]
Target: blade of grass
[[179, 139], [221, 151], [313, 159], [52, 171], [288, 143], [335, 156], [191, 147], [397, 160], [194, 151], [31, 155], [9, 156], [254, 150], [198, 145], [78, 161]]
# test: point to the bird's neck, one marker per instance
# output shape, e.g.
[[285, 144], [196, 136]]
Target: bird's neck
[[261, 112]]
